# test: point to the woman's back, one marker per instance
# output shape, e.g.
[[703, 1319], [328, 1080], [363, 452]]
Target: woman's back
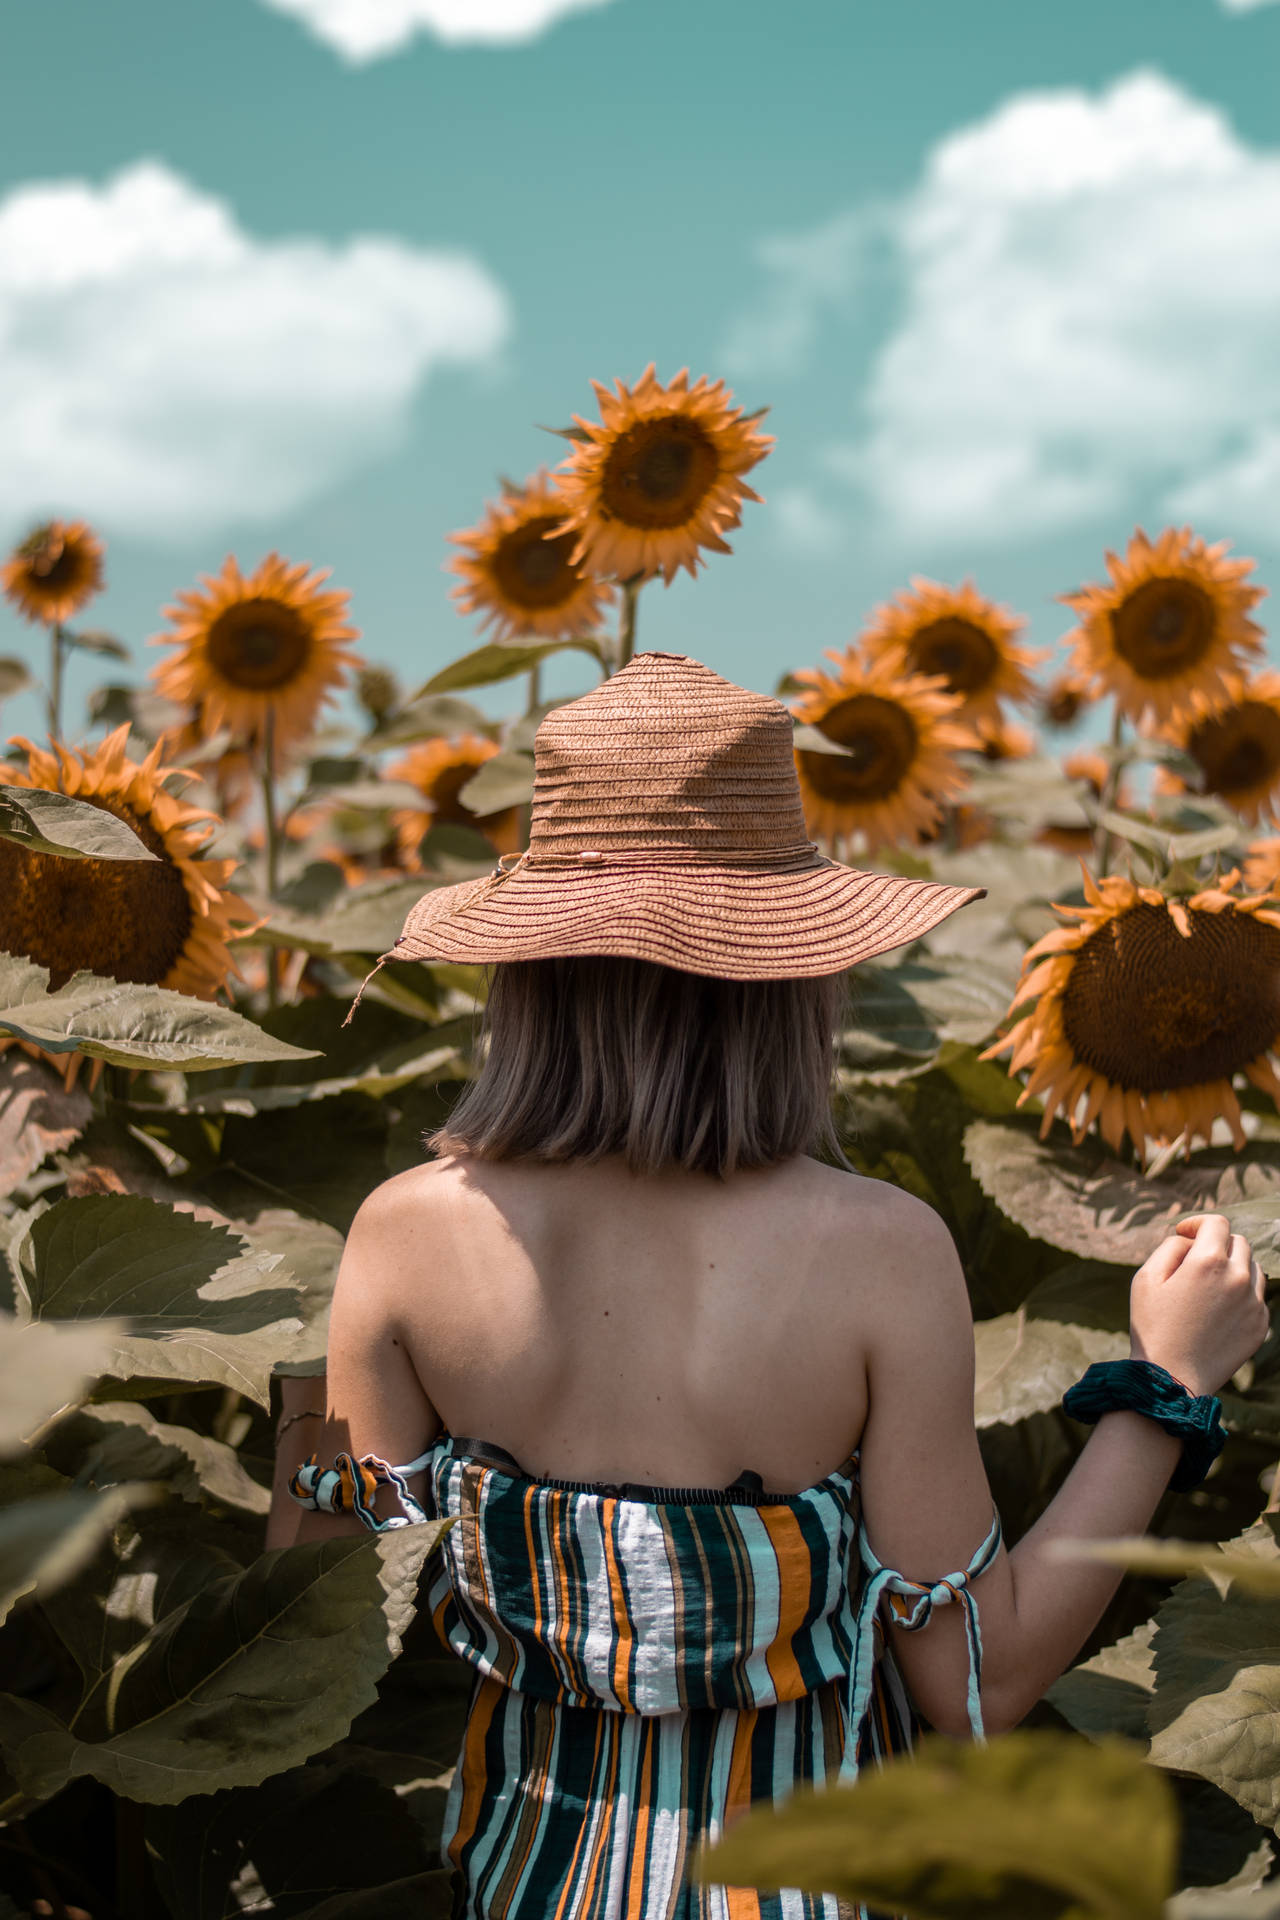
[[669, 1329]]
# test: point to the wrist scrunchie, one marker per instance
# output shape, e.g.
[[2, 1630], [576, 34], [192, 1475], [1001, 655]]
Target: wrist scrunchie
[[1139, 1386]]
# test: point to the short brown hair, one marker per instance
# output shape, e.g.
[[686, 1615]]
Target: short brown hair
[[589, 1057]]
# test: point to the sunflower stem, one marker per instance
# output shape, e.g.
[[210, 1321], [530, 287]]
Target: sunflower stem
[[627, 624], [1110, 791], [535, 687], [271, 846], [56, 658]]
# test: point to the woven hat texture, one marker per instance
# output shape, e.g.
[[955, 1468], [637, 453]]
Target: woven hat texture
[[667, 826]]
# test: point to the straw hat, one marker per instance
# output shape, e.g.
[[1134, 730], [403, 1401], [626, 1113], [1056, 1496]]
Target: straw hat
[[667, 826]]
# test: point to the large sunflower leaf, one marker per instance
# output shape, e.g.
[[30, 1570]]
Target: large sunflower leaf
[[1110, 1693], [250, 1676], [1250, 1563], [378, 1052], [45, 822], [504, 780], [38, 1116], [356, 1831], [1036, 1826], [45, 1366], [128, 1024], [1216, 1708], [199, 1308], [499, 661], [45, 1542], [365, 920], [1083, 1200], [428, 717], [1026, 1365], [112, 1443]]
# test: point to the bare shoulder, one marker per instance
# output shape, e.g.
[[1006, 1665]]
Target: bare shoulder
[[881, 1225], [423, 1202]]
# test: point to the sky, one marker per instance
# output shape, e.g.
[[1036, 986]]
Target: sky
[[308, 275]]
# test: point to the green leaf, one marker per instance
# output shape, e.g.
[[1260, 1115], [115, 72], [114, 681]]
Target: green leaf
[[93, 640], [1216, 1709], [1026, 1365], [488, 665], [15, 676], [378, 1053], [366, 796], [311, 1250], [45, 1366], [198, 1307], [429, 717], [45, 1542], [128, 1025], [1261, 1903], [112, 1443], [250, 1676], [367, 920], [38, 1116], [504, 780], [1254, 1571], [43, 822], [1036, 1826], [1082, 1200], [312, 1833], [1110, 1693]]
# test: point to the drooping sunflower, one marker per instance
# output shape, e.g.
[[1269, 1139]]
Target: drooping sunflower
[[54, 571], [1236, 749], [267, 646], [1064, 700], [659, 477], [900, 738], [1146, 1009], [960, 636], [164, 922], [518, 567], [439, 769], [1170, 635]]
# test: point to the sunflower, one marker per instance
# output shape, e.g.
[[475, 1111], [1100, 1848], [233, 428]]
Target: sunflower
[[1064, 700], [1262, 866], [229, 771], [1147, 1008], [269, 647], [954, 633], [164, 922], [1169, 635], [439, 769], [519, 568], [1236, 749], [659, 477], [899, 737], [54, 571], [1001, 743]]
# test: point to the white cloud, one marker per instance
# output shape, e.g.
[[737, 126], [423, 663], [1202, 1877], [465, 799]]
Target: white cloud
[[363, 30], [166, 372], [1244, 6], [1089, 294]]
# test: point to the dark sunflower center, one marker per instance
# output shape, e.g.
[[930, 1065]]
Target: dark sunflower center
[[127, 919], [51, 560], [1062, 704], [534, 571], [1163, 627], [444, 795], [1238, 749], [1152, 1011], [259, 644], [658, 473], [963, 654], [880, 742]]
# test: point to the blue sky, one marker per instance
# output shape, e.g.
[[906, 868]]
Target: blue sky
[[1009, 277]]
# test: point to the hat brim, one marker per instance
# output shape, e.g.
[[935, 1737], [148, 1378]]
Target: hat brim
[[728, 922]]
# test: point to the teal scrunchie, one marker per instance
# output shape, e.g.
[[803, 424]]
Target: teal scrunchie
[[1139, 1386]]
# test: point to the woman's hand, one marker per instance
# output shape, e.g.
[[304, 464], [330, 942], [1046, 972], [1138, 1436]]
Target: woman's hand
[[1197, 1307]]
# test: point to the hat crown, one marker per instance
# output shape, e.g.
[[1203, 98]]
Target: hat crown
[[666, 754]]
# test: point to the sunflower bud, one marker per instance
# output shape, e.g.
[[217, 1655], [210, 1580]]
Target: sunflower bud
[[378, 692]]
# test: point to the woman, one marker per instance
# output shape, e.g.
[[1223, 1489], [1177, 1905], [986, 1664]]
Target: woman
[[700, 1403]]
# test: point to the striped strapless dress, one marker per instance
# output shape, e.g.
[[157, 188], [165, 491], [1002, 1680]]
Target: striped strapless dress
[[648, 1661]]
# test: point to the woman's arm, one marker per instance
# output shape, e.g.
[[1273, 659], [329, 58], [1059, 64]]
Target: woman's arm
[[375, 1401], [1197, 1309]]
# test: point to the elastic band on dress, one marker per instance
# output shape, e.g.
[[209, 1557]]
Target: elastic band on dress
[[912, 1604]]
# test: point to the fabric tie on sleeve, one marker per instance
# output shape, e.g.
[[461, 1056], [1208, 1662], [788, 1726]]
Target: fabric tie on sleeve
[[351, 1485], [911, 1603]]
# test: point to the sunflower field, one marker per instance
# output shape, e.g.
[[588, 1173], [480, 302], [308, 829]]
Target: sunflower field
[[201, 876]]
